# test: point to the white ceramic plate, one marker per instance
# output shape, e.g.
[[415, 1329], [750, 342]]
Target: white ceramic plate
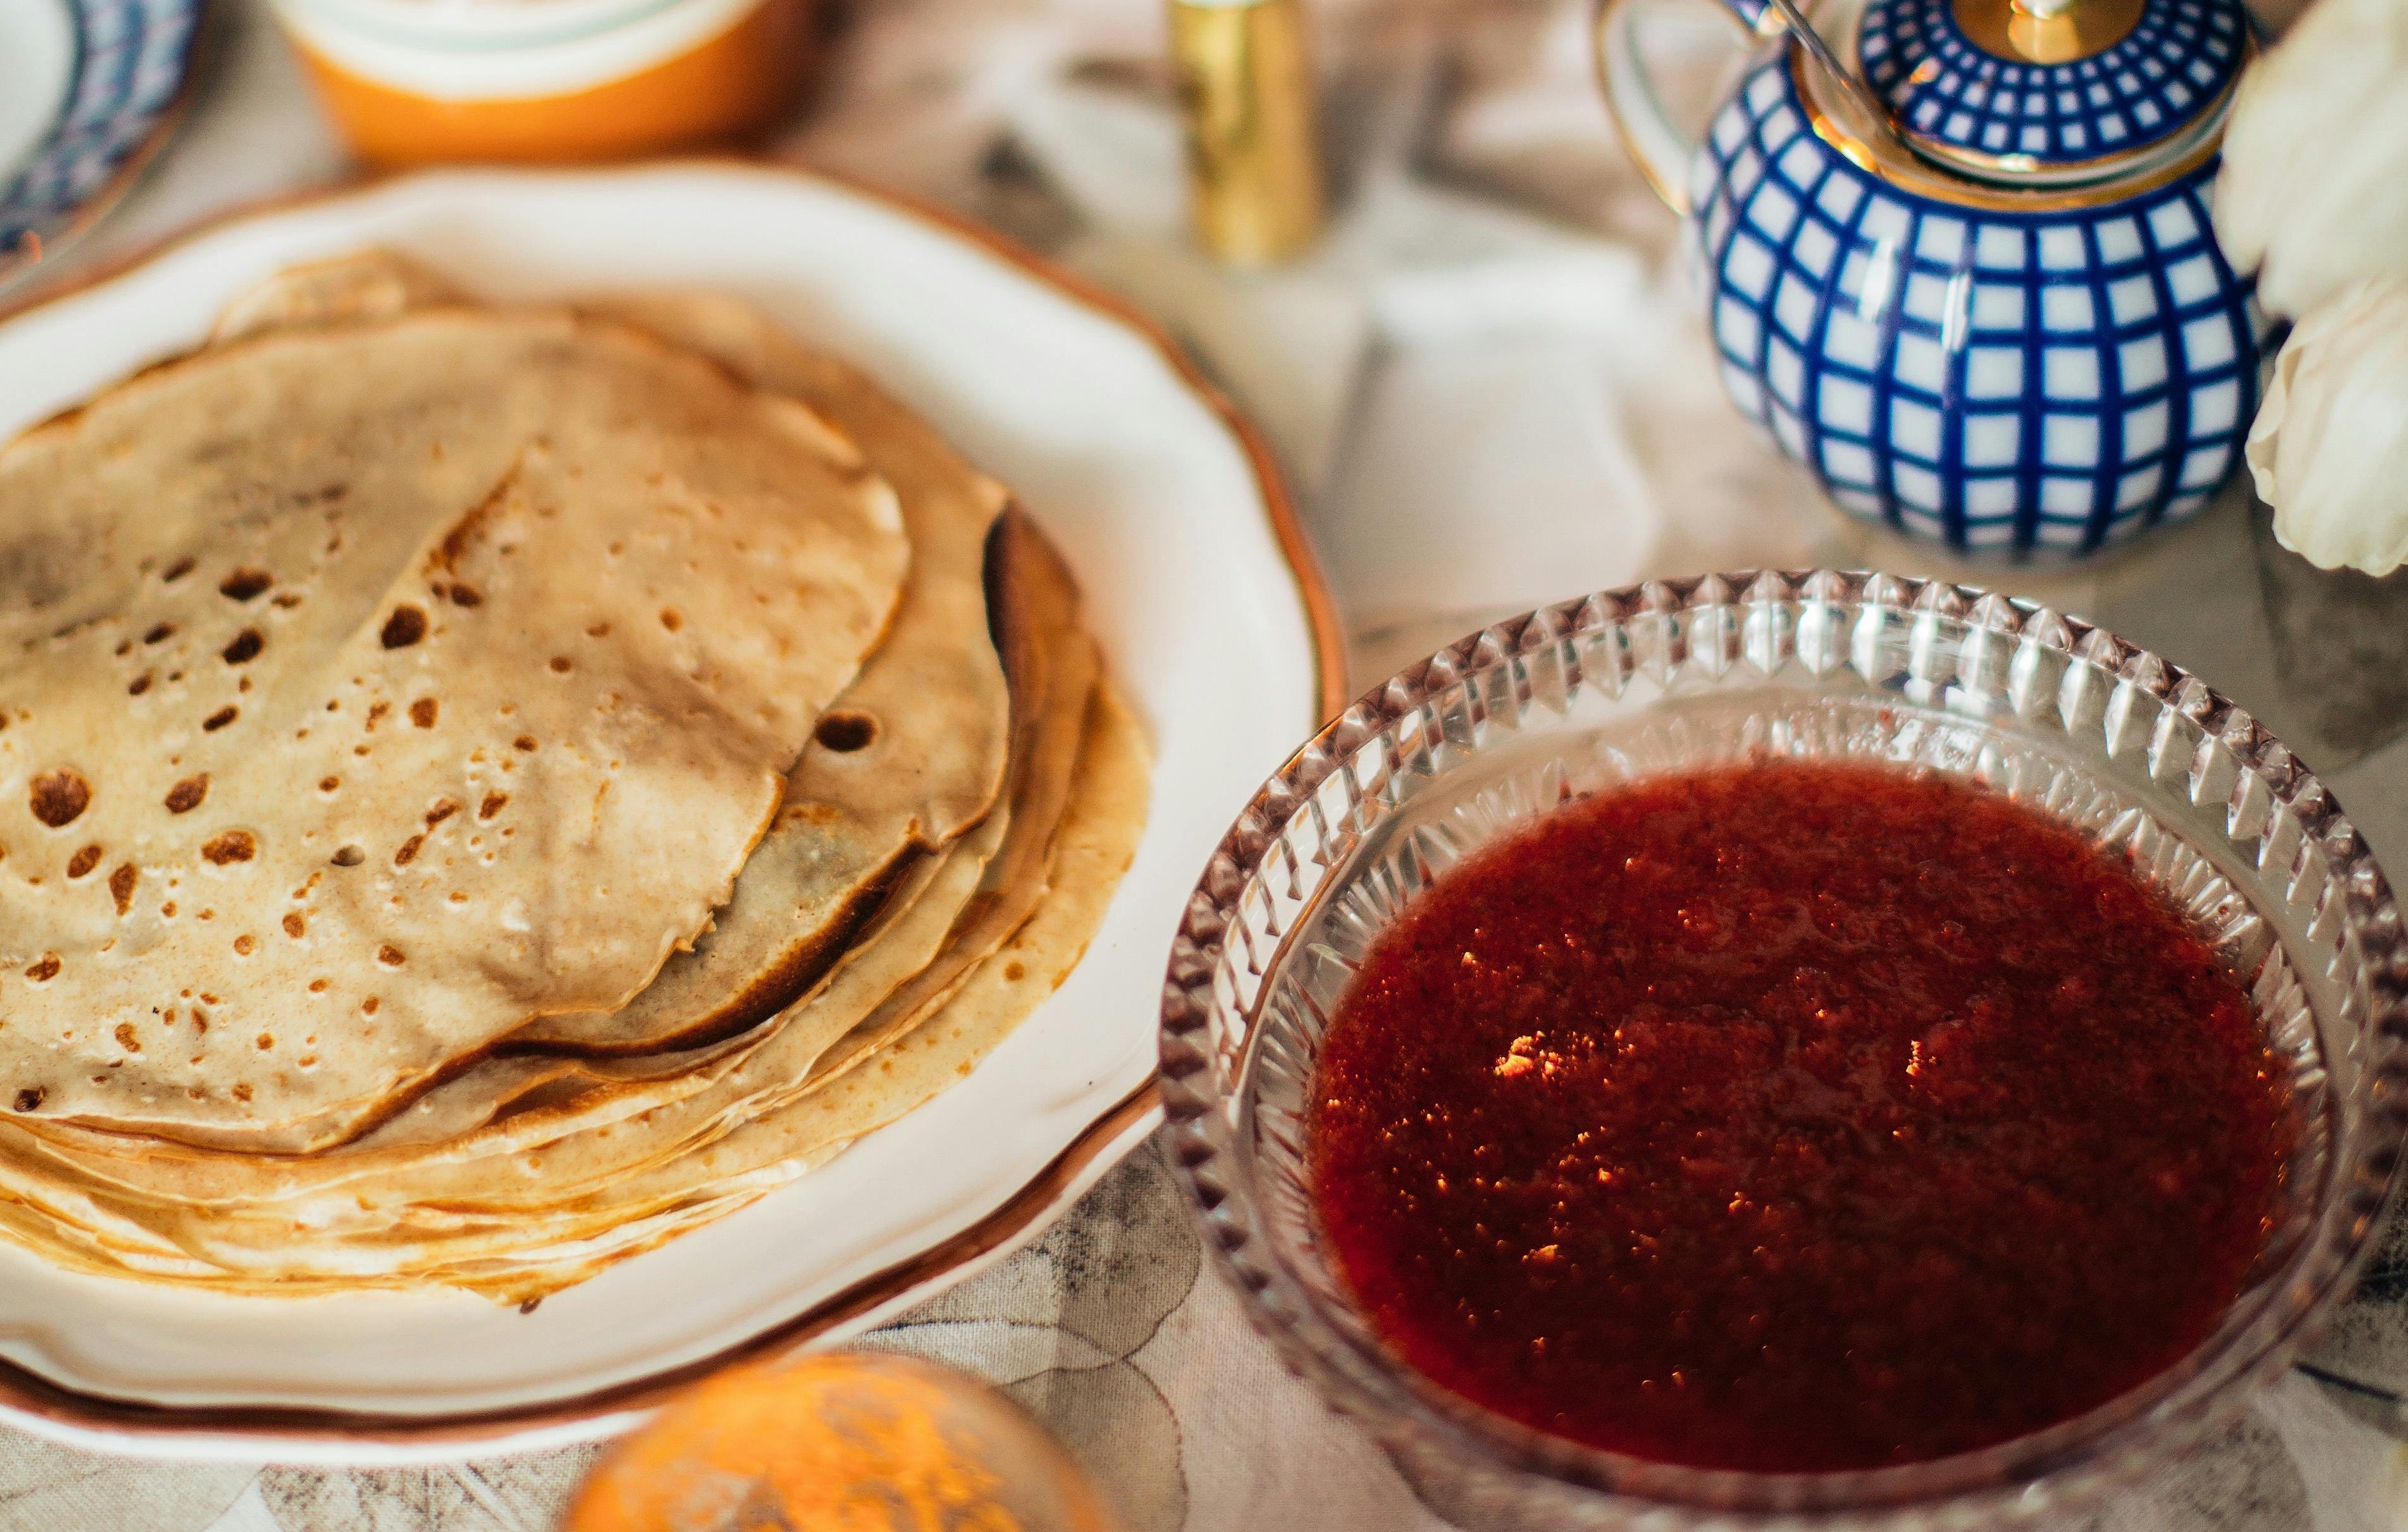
[[1197, 585]]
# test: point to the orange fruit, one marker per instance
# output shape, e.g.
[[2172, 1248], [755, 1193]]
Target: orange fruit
[[842, 1442]]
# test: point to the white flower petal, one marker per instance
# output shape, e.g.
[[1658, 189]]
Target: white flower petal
[[2315, 182], [2330, 447]]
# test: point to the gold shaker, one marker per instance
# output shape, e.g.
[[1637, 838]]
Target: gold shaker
[[1254, 153]]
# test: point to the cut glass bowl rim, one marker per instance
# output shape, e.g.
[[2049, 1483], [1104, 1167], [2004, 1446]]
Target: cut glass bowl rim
[[2052, 1471]]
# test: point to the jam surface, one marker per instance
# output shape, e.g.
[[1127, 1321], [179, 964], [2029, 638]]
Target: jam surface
[[1793, 1117]]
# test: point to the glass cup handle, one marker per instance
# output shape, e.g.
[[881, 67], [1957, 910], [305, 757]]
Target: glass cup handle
[[1661, 151]]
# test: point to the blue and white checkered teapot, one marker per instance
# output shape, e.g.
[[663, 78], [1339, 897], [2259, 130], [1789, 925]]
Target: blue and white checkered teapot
[[1972, 283]]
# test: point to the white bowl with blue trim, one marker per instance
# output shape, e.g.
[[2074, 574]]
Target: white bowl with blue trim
[[89, 91]]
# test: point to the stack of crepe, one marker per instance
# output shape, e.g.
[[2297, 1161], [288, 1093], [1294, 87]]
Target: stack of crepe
[[483, 791]]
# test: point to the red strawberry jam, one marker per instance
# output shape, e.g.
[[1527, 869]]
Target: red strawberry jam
[[1793, 1117]]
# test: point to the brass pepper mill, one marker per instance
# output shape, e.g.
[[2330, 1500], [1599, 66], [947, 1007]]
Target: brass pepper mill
[[1253, 156]]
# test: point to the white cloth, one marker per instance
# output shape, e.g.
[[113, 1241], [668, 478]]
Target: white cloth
[[1491, 389]]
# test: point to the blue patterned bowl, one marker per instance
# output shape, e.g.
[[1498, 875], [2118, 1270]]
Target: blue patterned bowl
[[1967, 333], [126, 65]]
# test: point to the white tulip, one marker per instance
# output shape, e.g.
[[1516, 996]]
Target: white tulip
[[2314, 183], [2330, 447]]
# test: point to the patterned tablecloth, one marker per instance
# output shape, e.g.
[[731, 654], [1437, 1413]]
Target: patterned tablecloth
[[1491, 391]]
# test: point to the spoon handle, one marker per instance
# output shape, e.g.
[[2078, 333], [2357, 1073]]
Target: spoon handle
[[1877, 117]]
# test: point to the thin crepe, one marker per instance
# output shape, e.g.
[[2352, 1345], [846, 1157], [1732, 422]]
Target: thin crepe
[[989, 883], [911, 756], [318, 777], [535, 1169], [516, 1255]]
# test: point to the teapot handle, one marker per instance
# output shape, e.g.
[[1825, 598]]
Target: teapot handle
[[1661, 151]]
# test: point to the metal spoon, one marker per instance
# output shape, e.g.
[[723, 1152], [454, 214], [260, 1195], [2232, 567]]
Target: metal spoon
[[1877, 118]]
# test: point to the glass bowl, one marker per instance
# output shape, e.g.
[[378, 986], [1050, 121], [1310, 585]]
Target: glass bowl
[[2146, 760]]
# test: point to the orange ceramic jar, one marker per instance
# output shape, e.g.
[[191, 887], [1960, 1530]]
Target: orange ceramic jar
[[413, 81]]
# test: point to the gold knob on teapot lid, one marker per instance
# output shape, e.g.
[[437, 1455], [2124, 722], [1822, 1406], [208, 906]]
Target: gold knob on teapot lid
[[2046, 31]]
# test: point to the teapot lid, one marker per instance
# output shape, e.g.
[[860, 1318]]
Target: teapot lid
[[2049, 91]]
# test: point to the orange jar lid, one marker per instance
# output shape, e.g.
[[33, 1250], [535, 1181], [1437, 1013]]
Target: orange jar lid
[[411, 82]]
